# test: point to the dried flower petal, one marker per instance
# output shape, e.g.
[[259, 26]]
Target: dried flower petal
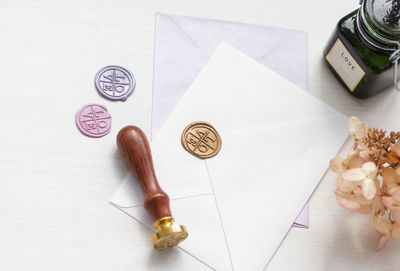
[[345, 187], [382, 242], [380, 225], [337, 164], [369, 168], [355, 161], [364, 208], [396, 195], [396, 148], [364, 154], [392, 157], [390, 179], [396, 215], [354, 175], [378, 207], [369, 188], [347, 200], [387, 202], [395, 230], [356, 128], [359, 196]]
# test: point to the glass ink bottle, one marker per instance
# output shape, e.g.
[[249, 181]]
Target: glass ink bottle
[[364, 50]]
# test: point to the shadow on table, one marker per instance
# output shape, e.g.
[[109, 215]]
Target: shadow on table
[[353, 246]]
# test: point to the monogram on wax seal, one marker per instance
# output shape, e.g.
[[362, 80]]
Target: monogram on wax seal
[[93, 120], [201, 139], [115, 82]]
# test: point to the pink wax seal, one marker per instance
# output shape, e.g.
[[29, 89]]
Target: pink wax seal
[[93, 120]]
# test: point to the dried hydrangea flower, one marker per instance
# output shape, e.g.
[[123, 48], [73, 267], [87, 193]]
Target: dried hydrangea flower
[[364, 175], [392, 203], [357, 186], [356, 128], [391, 179], [374, 154], [386, 228], [391, 187]]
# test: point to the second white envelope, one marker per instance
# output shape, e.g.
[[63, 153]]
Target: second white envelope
[[276, 144]]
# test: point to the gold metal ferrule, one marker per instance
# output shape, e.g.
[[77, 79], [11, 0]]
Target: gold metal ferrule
[[168, 234]]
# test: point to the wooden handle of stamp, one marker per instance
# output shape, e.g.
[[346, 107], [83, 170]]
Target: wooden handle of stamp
[[135, 150]]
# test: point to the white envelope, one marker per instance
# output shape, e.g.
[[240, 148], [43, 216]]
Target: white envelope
[[183, 45], [276, 144]]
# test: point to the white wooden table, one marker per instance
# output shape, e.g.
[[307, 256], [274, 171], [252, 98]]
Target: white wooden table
[[55, 183]]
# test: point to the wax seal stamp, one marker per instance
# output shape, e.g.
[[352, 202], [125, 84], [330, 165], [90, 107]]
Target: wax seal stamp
[[93, 120], [135, 150], [115, 82], [201, 139]]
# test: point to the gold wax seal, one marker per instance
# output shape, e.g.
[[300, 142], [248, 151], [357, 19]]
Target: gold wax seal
[[201, 139]]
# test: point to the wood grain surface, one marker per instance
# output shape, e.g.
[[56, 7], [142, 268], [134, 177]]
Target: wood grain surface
[[135, 149]]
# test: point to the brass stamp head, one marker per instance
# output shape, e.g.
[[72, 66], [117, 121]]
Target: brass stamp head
[[201, 139], [168, 234]]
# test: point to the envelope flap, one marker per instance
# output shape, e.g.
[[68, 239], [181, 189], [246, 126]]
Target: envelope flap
[[180, 174], [128, 194], [185, 44], [206, 240]]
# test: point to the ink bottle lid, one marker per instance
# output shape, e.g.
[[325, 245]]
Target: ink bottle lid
[[378, 21], [383, 18]]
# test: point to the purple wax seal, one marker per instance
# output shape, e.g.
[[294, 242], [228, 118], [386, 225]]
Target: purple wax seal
[[115, 82], [93, 120]]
